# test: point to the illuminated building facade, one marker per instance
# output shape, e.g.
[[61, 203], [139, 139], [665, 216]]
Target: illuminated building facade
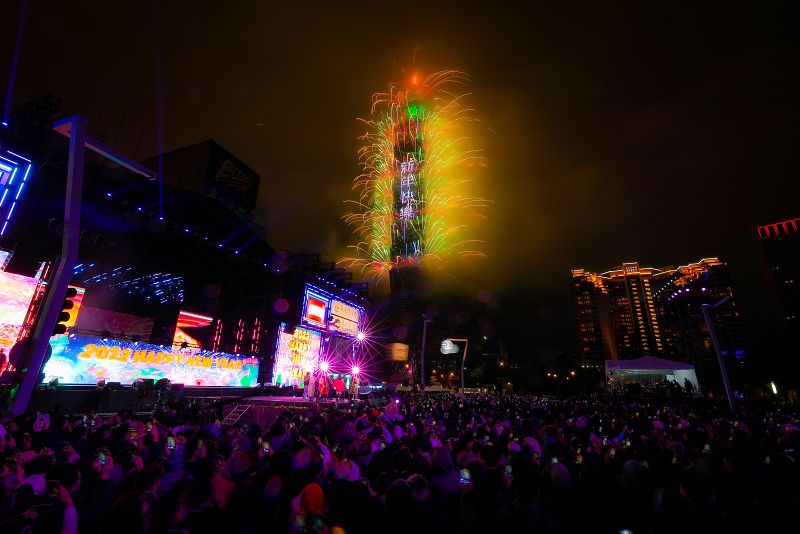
[[589, 295], [408, 203], [679, 298], [781, 245], [632, 311]]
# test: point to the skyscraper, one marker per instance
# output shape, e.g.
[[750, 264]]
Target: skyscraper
[[408, 223], [679, 298], [592, 309], [616, 313], [632, 311], [781, 244]]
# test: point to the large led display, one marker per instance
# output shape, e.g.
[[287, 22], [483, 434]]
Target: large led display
[[315, 308], [88, 359], [296, 353], [345, 318], [16, 292]]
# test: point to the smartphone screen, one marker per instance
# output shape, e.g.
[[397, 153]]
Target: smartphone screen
[[464, 476], [171, 443], [508, 471], [101, 457]]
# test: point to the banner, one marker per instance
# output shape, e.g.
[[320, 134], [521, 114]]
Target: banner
[[296, 353], [81, 359]]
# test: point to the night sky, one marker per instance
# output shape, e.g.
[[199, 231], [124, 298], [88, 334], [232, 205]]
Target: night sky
[[659, 133]]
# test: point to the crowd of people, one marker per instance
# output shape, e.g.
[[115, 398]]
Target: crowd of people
[[653, 388], [445, 463]]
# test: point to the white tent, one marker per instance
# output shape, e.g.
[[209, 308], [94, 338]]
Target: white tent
[[650, 369]]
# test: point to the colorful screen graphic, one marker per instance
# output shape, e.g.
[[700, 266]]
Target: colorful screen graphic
[[296, 353], [16, 292], [77, 302], [315, 308], [193, 322], [88, 359]]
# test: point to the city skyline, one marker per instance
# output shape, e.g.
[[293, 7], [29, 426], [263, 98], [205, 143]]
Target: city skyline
[[583, 143]]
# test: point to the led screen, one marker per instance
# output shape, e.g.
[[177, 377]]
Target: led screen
[[88, 359], [16, 292], [189, 325], [315, 308], [296, 353]]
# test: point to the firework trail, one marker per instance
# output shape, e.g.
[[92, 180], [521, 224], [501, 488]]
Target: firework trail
[[413, 186]]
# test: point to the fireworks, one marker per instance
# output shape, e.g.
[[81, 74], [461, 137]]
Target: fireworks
[[414, 186]]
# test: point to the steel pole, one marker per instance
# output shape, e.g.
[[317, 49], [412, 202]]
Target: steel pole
[[723, 367], [48, 317], [463, 362], [422, 356]]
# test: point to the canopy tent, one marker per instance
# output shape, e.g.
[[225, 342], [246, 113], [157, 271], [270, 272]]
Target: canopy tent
[[649, 369]]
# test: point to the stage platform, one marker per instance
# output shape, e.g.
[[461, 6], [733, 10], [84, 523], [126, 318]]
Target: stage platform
[[263, 410]]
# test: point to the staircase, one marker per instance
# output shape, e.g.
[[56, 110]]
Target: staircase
[[235, 415]]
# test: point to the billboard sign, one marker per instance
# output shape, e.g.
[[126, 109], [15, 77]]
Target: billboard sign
[[296, 353], [398, 352], [79, 359], [344, 318]]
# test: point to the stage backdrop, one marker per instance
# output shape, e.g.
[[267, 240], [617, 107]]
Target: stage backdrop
[[296, 353], [87, 359]]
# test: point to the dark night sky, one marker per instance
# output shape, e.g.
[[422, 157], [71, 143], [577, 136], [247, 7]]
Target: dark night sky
[[659, 133]]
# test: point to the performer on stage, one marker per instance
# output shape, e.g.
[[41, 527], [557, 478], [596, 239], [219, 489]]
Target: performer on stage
[[355, 383], [312, 386]]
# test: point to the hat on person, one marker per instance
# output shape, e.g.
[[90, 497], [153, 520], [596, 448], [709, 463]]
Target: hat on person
[[312, 499]]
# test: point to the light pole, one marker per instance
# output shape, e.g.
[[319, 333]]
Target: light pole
[[707, 308], [463, 358], [422, 356]]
